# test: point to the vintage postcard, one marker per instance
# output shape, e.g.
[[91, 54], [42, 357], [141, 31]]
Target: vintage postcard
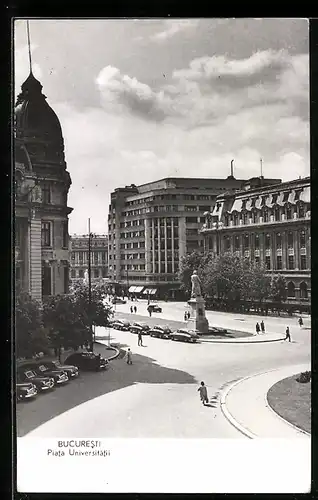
[[162, 255]]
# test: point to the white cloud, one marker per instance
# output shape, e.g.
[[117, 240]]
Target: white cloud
[[173, 27]]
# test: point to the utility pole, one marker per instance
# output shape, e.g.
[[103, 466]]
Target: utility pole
[[90, 286]]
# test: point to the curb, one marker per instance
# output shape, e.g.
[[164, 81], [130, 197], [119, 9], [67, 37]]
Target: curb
[[295, 427], [117, 352], [220, 341], [234, 422]]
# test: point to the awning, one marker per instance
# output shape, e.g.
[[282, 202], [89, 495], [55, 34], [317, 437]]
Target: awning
[[138, 289], [150, 291], [132, 289]]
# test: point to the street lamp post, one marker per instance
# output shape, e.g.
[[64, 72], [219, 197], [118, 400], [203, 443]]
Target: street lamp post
[[90, 287]]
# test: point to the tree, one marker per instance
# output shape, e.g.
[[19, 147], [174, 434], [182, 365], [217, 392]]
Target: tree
[[223, 277], [31, 337], [259, 283], [278, 291]]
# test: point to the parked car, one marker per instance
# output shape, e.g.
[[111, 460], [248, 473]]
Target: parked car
[[145, 328], [184, 335], [59, 376], [118, 300], [87, 361], [25, 391], [164, 328], [42, 383], [121, 325], [71, 371], [154, 308], [136, 329], [159, 333], [216, 329]]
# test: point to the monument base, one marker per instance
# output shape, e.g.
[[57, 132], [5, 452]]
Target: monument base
[[197, 320]]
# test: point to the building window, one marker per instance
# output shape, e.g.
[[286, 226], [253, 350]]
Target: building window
[[288, 213], [290, 289], [96, 273], [290, 262], [302, 239], [301, 212], [246, 241], [244, 217], [303, 290], [303, 262], [265, 215], [46, 193], [290, 240], [65, 234], [254, 216], [277, 214], [267, 262], [73, 273], [46, 280], [267, 241], [279, 263], [235, 219], [46, 234], [81, 273], [278, 240], [227, 243], [104, 272], [237, 242], [257, 261], [256, 241]]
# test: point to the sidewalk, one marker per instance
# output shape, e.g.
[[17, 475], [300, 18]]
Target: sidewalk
[[244, 404]]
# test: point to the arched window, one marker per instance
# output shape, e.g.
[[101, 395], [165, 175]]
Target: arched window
[[303, 290], [290, 289]]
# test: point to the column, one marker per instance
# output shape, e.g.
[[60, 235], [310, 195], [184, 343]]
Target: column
[[159, 246], [296, 250], [172, 243], [308, 247], [284, 249], [262, 248], [166, 245], [153, 246], [35, 259], [182, 238], [148, 267]]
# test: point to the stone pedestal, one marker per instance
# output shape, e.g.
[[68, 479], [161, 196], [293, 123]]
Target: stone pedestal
[[197, 320]]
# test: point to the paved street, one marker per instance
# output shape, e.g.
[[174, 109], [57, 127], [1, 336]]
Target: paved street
[[157, 396]]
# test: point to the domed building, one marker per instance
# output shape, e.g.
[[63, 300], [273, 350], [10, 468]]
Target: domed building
[[42, 184]]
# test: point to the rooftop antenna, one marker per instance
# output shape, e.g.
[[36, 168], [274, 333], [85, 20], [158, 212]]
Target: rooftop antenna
[[232, 161], [29, 46], [261, 167]]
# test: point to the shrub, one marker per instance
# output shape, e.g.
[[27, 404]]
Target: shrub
[[304, 377]]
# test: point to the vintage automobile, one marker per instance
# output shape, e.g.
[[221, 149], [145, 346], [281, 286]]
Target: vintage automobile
[[145, 328], [87, 361], [164, 328], [159, 333], [71, 371], [40, 368], [41, 382], [154, 308], [118, 300], [25, 391], [136, 329], [216, 330], [184, 335], [121, 325]]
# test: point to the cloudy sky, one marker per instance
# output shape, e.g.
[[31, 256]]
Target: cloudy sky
[[140, 100]]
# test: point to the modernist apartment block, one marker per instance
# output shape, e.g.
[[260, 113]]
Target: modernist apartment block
[[269, 224], [41, 189], [79, 257], [152, 226]]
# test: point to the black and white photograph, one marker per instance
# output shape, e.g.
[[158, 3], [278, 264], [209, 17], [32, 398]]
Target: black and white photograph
[[162, 260]]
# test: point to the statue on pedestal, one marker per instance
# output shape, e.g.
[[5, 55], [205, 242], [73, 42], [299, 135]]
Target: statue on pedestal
[[196, 285]]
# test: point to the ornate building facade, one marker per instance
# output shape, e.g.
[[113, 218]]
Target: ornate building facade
[[270, 225], [79, 257], [41, 189]]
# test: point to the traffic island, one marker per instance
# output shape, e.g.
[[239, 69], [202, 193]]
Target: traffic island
[[291, 400]]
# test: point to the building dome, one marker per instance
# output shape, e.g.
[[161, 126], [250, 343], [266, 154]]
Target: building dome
[[37, 124]]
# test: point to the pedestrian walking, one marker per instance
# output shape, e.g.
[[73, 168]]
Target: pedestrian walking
[[131, 309], [129, 360], [203, 393], [257, 328], [140, 339], [288, 334], [262, 326], [300, 321], [185, 316], [149, 311], [135, 309], [189, 314]]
